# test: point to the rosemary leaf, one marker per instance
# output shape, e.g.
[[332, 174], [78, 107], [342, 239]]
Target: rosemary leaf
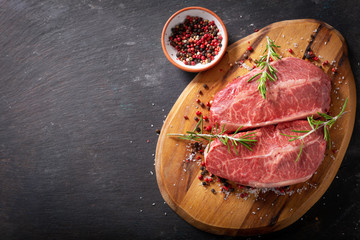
[[301, 148], [247, 140], [269, 72], [316, 125]]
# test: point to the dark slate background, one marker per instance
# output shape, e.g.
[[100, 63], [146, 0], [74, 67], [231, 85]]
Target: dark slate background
[[83, 86]]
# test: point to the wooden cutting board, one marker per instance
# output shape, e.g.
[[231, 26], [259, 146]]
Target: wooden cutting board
[[178, 180]]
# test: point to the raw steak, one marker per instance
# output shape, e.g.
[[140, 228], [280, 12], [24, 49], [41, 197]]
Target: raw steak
[[301, 90], [272, 163]]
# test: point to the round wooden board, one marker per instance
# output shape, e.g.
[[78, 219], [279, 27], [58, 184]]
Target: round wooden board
[[178, 180]]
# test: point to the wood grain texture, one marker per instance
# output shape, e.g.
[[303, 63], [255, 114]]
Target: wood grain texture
[[177, 179]]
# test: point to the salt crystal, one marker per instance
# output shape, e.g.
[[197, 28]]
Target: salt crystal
[[153, 204], [153, 104], [141, 210], [325, 43], [151, 173]]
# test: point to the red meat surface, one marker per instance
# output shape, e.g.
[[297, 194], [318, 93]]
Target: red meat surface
[[272, 163], [302, 89]]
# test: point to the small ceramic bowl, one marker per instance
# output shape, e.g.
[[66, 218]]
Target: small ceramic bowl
[[178, 18]]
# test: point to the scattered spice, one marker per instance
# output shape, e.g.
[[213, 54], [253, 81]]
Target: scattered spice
[[197, 40], [157, 131], [309, 54], [205, 86], [290, 50], [186, 117]]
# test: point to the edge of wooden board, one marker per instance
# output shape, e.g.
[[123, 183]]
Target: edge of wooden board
[[319, 191]]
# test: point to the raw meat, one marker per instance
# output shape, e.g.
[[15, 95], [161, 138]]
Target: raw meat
[[301, 90], [272, 163]]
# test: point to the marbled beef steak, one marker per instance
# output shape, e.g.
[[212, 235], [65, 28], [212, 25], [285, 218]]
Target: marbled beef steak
[[272, 163], [302, 89]]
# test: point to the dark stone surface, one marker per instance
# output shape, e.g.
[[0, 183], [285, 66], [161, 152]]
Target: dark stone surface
[[84, 85]]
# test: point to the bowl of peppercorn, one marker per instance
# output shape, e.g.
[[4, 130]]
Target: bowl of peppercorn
[[194, 39]]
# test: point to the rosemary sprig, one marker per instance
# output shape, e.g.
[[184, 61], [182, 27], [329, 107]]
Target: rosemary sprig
[[269, 72], [315, 125], [247, 140]]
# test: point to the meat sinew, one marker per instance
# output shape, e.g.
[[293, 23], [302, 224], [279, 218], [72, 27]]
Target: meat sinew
[[272, 163], [301, 90]]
